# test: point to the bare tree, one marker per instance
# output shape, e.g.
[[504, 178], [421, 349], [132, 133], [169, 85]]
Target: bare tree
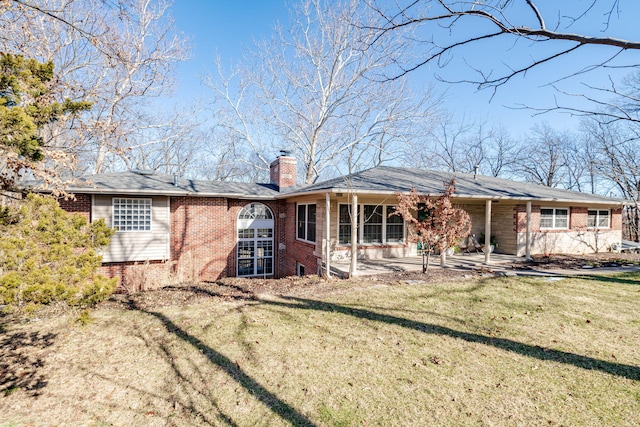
[[117, 54], [619, 162], [307, 90], [449, 26], [544, 159], [461, 146]]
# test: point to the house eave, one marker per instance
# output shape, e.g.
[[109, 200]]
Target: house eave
[[168, 193], [455, 196]]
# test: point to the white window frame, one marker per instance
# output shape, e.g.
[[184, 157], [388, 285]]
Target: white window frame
[[306, 222], [554, 218], [598, 212], [139, 206], [254, 232], [361, 224]]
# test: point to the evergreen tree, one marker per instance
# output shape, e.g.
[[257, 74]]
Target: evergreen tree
[[49, 255], [26, 105]]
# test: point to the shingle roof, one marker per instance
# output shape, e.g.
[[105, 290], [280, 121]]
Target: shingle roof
[[386, 180], [378, 180], [143, 183]]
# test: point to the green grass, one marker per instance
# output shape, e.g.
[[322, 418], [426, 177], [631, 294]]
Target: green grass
[[512, 351]]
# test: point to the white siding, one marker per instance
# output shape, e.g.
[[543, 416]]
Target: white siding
[[136, 245]]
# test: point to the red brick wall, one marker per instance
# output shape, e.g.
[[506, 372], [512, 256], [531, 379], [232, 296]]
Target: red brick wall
[[282, 172], [81, 204], [203, 239], [521, 222], [203, 235], [616, 219], [297, 251], [577, 219]]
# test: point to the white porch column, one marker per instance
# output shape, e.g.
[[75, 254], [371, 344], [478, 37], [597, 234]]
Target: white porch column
[[528, 239], [353, 270], [327, 236], [487, 232]]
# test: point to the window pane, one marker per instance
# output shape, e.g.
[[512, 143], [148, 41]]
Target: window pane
[[245, 267], [265, 248], [311, 223], [395, 233], [344, 229], [546, 218], [265, 266], [245, 233], [255, 211], [391, 218], [603, 219], [345, 217], [372, 233], [372, 224], [372, 214], [245, 249], [562, 218], [592, 218], [264, 233], [344, 234], [302, 215]]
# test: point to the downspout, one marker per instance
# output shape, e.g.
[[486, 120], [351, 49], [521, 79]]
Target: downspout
[[327, 238], [487, 233], [528, 233], [353, 269]]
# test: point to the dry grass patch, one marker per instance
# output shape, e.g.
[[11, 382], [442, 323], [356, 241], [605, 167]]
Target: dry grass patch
[[517, 351]]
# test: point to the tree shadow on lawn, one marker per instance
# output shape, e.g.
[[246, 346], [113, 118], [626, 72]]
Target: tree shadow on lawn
[[630, 278], [541, 353], [20, 362], [269, 399]]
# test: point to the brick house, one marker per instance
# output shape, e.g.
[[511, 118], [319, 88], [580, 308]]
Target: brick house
[[207, 229]]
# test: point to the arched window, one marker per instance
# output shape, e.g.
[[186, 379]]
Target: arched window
[[255, 241], [255, 211]]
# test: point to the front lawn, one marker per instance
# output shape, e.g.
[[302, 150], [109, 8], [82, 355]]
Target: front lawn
[[510, 351]]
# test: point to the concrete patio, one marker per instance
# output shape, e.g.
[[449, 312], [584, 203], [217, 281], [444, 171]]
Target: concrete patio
[[473, 261], [500, 264]]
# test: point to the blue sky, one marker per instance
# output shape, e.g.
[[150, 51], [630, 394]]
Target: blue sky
[[227, 27]]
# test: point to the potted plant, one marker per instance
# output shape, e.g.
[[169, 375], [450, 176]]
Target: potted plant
[[493, 242]]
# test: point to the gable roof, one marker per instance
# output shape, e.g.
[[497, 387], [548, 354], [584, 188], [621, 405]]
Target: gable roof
[[152, 183], [390, 180]]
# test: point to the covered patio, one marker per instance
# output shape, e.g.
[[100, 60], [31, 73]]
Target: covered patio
[[370, 267]]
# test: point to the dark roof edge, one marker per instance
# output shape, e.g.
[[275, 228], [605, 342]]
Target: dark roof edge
[[617, 202]]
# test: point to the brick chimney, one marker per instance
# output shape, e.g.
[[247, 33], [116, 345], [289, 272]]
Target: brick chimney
[[282, 171]]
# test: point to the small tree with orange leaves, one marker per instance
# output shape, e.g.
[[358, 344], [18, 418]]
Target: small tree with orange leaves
[[433, 221]]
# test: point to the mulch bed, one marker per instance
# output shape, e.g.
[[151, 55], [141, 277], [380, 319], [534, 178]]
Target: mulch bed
[[576, 262]]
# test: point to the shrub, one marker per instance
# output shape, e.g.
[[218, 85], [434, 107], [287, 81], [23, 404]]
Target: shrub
[[49, 255]]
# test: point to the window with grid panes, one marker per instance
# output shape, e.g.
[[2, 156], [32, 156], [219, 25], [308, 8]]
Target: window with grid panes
[[131, 214], [395, 226], [372, 232], [375, 221], [255, 241]]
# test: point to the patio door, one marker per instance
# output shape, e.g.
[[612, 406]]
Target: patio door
[[254, 252]]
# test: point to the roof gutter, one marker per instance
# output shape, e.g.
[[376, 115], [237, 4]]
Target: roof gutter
[[456, 196]]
